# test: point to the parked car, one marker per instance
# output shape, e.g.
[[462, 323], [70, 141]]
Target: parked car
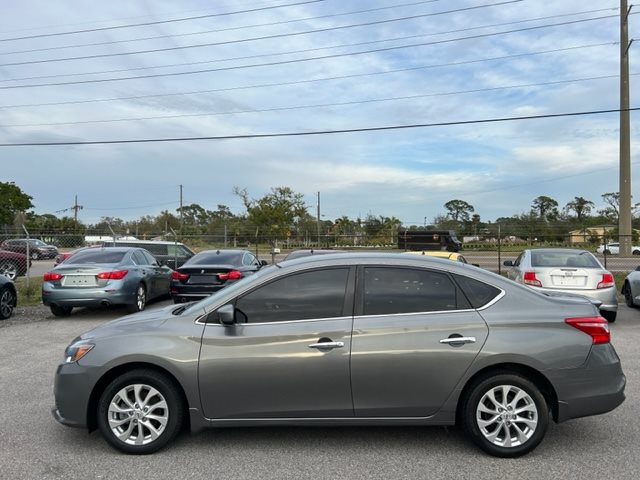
[[8, 297], [63, 256], [631, 288], [171, 254], [37, 248], [310, 251], [12, 264], [613, 248], [209, 271], [569, 271], [105, 276], [343, 340]]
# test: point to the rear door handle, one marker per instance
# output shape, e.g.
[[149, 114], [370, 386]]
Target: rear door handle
[[458, 340], [327, 345]]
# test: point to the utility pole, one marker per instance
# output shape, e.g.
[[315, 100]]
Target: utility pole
[[624, 225], [75, 209], [180, 208], [318, 213]]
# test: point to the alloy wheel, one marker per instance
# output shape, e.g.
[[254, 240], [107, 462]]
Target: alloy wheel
[[7, 303], [507, 416], [9, 270], [138, 414]]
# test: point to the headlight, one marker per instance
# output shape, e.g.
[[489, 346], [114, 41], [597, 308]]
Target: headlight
[[76, 351]]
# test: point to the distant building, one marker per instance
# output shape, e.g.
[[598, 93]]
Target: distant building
[[584, 234]]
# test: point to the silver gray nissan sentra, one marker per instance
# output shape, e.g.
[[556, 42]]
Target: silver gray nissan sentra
[[347, 339]]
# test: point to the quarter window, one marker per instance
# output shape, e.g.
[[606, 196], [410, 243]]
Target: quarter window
[[478, 293], [403, 290], [302, 296]]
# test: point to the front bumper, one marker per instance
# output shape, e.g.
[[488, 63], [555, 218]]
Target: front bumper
[[72, 389]]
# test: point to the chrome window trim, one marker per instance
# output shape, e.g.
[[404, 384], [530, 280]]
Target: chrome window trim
[[307, 320]]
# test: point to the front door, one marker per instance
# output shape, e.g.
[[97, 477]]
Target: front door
[[287, 356]]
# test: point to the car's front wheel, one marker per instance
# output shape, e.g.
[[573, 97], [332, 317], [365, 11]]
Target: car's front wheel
[[505, 414], [628, 295], [7, 302], [140, 412]]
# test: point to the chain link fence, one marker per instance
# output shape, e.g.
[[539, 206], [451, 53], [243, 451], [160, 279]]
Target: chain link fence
[[30, 253]]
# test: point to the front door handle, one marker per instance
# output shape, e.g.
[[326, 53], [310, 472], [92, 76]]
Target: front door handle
[[327, 345], [458, 340]]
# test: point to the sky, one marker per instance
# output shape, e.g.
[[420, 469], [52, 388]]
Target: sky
[[250, 67]]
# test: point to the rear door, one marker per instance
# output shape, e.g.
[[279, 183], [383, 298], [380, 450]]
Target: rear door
[[414, 337]]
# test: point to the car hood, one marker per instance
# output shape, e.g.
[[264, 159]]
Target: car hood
[[142, 321]]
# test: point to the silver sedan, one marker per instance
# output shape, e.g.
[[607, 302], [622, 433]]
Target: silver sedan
[[347, 339], [105, 276], [567, 271]]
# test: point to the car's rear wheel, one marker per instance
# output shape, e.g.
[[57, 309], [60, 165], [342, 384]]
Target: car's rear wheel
[[607, 251], [59, 311], [628, 296], [140, 412], [9, 269], [609, 316], [636, 252], [141, 300], [7, 302], [505, 414]]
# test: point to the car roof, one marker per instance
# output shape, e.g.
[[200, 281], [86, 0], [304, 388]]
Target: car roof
[[143, 242], [558, 250], [223, 250], [436, 253]]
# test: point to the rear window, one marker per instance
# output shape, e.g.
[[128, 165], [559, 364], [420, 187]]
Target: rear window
[[564, 259], [100, 256], [478, 293], [213, 258]]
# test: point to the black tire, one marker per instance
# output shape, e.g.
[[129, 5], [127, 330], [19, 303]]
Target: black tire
[[636, 252], [9, 269], [8, 302], [154, 388], [141, 300], [607, 252], [502, 420], [608, 315], [59, 311], [628, 296]]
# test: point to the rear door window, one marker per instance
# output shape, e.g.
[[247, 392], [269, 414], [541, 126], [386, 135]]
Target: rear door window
[[393, 290], [478, 293]]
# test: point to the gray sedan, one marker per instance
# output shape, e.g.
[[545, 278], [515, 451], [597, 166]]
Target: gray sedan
[[567, 271], [347, 339], [105, 276]]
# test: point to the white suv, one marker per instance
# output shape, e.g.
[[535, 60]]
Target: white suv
[[613, 248]]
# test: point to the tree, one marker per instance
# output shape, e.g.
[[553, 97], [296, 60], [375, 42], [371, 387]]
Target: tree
[[546, 207], [14, 201], [612, 211], [581, 206], [458, 210], [275, 214]]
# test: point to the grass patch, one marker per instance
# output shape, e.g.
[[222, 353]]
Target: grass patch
[[29, 293]]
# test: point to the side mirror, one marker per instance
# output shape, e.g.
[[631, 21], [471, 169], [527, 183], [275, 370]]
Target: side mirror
[[508, 263], [263, 263], [227, 314]]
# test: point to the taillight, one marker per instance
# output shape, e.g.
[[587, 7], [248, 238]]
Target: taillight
[[596, 327], [115, 275], [529, 278], [607, 281], [51, 277], [179, 276], [232, 275]]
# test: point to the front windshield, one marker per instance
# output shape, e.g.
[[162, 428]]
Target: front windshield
[[237, 285]]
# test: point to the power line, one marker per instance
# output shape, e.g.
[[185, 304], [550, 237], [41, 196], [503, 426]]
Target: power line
[[343, 45], [264, 37], [309, 106], [320, 132], [243, 27], [158, 22], [324, 57], [312, 80]]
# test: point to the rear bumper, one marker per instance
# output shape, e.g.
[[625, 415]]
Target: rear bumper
[[607, 296], [91, 297], [595, 388]]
